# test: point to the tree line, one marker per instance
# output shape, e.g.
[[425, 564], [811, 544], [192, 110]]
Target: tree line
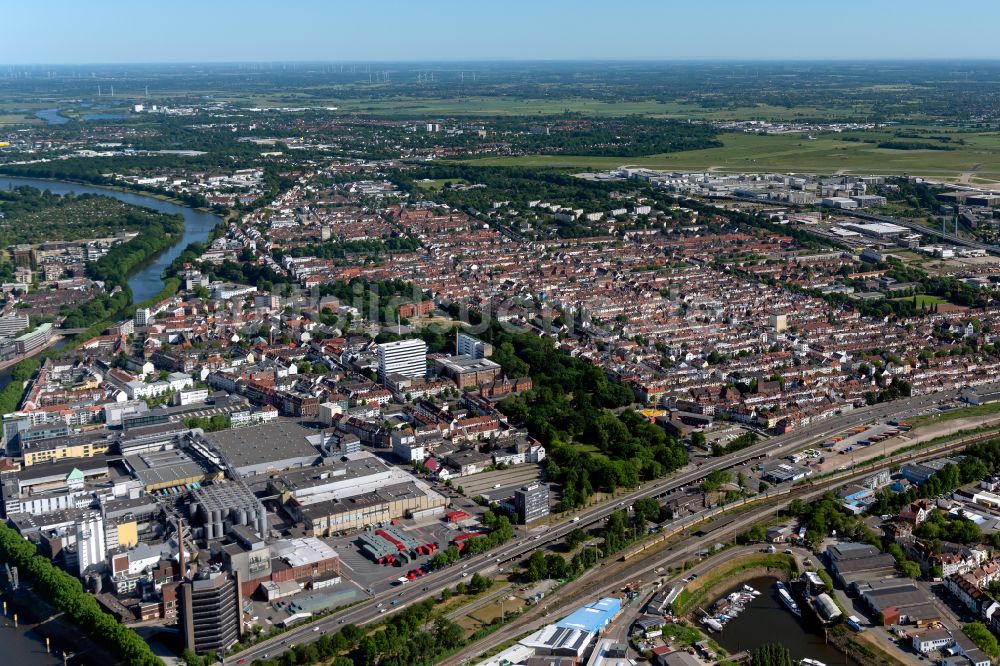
[[67, 594]]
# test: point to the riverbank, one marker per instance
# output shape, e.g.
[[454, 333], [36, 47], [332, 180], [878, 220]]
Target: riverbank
[[159, 196], [147, 281]]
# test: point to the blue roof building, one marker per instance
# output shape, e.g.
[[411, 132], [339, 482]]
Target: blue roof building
[[593, 617]]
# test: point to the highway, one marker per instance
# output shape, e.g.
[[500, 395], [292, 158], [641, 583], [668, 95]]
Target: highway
[[631, 567], [487, 563]]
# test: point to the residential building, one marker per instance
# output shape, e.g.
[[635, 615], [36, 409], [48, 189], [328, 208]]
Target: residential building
[[467, 345]]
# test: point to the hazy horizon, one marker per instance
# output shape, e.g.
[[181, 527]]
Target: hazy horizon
[[187, 32], [473, 61]]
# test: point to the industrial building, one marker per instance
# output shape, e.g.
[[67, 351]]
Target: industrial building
[[358, 511], [171, 471], [877, 229], [91, 549], [220, 507], [566, 641], [267, 448], [468, 371]]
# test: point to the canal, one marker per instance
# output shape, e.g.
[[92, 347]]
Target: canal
[[766, 620]]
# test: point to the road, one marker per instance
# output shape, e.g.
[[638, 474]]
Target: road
[[612, 576], [526, 542], [872, 217]]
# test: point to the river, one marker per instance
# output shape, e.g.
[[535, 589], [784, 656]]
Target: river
[[146, 282], [23, 646], [767, 620]]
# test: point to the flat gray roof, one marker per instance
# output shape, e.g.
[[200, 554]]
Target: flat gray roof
[[258, 445], [159, 467]]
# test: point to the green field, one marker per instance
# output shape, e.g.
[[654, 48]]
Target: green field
[[922, 300], [826, 153], [987, 409], [436, 184], [514, 106]]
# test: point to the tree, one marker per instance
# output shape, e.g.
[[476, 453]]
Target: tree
[[646, 509], [479, 583], [575, 538], [556, 566], [771, 654], [614, 533], [369, 650], [909, 568], [537, 567], [984, 639]]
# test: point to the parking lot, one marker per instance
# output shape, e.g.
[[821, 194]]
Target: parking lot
[[498, 484], [368, 575]]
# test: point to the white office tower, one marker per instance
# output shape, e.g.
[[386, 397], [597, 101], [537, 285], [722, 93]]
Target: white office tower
[[91, 549], [143, 317], [404, 357]]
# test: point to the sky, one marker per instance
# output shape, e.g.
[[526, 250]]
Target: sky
[[137, 31]]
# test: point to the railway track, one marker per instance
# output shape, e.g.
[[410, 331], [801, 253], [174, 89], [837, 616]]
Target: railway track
[[629, 566], [824, 484]]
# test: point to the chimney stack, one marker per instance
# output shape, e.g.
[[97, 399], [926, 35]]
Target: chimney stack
[[180, 546]]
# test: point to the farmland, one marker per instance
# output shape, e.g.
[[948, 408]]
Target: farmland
[[825, 153]]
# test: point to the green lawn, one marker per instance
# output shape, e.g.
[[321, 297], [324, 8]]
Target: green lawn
[[959, 413], [826, 153], [436, 184], [922, 300]]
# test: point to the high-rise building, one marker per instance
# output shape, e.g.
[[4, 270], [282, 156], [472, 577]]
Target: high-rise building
[[531, 502], [404, 357], [474, 347], [91, 547], [143, 317], [209, 612]]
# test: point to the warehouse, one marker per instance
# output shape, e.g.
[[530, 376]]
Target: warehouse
[[170, 471], [877, 229], [359, 511], [267, 448]]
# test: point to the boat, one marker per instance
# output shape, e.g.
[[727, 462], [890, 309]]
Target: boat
[[811, 662], [786, 598], [712, 623]]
